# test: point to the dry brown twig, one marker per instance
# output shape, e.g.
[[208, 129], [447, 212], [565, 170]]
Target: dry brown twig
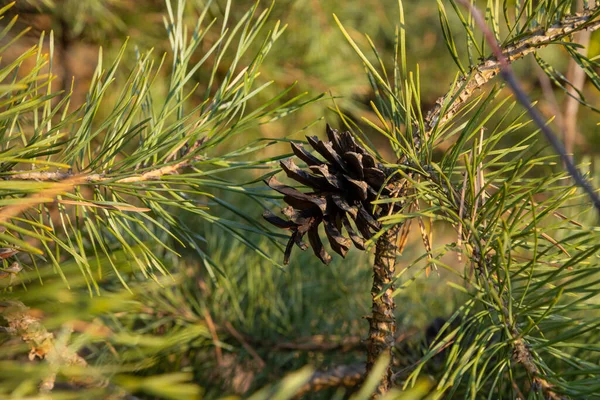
[[64, 182], [261, 363], [215, 337]]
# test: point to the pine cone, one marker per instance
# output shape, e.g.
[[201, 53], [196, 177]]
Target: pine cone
[[344, 185]]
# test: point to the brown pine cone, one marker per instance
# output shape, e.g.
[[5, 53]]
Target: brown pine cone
[[343, 183]]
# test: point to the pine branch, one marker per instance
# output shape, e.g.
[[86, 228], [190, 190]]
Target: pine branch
[[382, 322], [67, 181], [521, 353], [490, 67], [503, 62], [97, 178]]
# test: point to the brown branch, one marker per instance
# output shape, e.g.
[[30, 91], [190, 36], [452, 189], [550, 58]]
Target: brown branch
[[44, 344], [342, 375], [490, 67]]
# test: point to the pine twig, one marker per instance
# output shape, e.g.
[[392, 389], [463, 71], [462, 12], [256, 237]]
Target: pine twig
[[150, 175], [65, 182], [342, 375], [521, 352], [503, 64], [491, 66]]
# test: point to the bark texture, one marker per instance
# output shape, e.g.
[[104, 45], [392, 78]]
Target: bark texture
[[348, 376], [382, 323]]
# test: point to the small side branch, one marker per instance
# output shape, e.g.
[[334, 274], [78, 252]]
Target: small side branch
[[150, 175], [503, 63]]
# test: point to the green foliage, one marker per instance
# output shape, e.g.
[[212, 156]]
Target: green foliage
[[131, 235], [133, 152]]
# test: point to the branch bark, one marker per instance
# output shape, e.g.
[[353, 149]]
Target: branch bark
[[341, 375], [382, 322], [66, 181]]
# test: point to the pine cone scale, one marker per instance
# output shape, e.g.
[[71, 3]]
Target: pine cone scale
[[297, 174], [305, 156]]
